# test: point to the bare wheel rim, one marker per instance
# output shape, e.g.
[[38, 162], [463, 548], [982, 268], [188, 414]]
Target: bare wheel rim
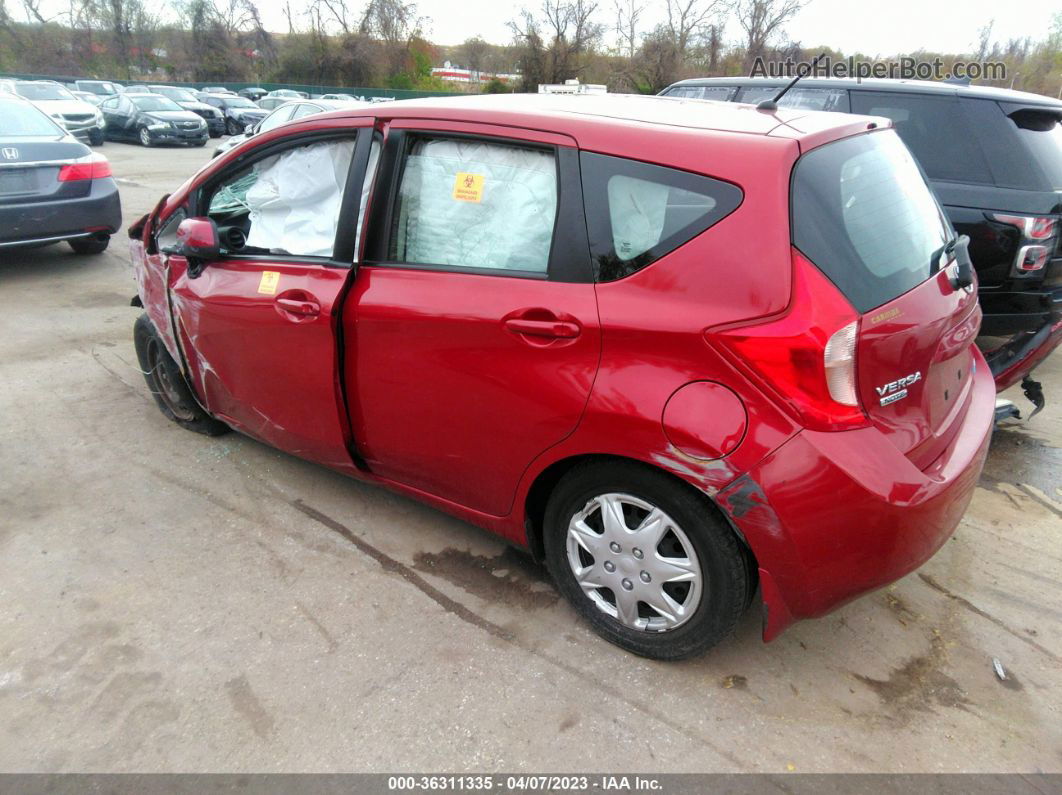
[[634, 562], [162, 378]]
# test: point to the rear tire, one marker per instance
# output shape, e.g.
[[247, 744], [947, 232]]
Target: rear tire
[[167, 384], [96, 244], [702, 606]]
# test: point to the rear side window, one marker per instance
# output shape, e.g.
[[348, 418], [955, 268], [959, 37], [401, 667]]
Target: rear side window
[[637, 213], [863, 213], [934, 129], [476, 204], [1041, 134]]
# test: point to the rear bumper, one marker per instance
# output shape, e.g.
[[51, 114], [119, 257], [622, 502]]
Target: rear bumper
[[1017, 358], [831, 516], [40, 222]]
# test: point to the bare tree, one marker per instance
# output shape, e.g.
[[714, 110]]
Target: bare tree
[[554, 42], [762, 20], [688, 19], [473, 53], [33, 11], [628, 14]]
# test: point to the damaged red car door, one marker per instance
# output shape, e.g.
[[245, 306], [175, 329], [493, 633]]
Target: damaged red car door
[[258, 324]]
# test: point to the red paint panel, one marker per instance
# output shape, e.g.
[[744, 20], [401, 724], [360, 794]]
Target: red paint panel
[[446, 398], [271, 375]]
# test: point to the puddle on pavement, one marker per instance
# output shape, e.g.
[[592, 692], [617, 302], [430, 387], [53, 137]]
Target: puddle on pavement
[[511, 577], [1017, 457]]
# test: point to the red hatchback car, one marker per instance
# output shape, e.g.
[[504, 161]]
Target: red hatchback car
[[678, 350]]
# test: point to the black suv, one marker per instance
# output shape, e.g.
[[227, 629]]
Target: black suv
[[994, 158]]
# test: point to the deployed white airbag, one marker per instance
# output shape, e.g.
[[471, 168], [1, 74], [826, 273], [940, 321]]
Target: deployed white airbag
[[637, 209], [477, 205], [294, 203]]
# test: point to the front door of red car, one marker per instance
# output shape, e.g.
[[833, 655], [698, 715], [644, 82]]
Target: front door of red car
[[472, 328], [257, 327]]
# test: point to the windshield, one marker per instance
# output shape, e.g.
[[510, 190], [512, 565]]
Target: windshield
[[20, 119], [863, 213], [1042, 135], [176, 94], [149, 103], [101, 87], [798, 97], [239, 102], [42, 91]]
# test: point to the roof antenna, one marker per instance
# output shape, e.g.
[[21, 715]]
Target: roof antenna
[[772, 104]]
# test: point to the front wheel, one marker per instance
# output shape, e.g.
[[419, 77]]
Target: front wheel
[[145, 137], [233, 128], [167, 384], [646, 560]]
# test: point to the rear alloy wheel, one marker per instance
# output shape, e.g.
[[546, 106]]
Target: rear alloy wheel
[[145, 137], [646, 560], [96, 244], [167, 384]]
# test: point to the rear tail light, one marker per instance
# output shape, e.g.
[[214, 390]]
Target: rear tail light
[[1032, 258], [808, 357], [1037, 239], [839, 361], [93, 166]]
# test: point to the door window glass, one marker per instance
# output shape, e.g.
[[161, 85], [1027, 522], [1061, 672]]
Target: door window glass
[[637, 213], [475, 204], [933, 128], [285, 204]]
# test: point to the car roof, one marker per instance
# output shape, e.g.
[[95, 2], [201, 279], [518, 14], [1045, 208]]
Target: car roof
[[902, 86], [555, 112]]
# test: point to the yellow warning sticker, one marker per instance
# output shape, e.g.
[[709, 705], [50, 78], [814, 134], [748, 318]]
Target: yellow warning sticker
[[269, 282], [468, 187]]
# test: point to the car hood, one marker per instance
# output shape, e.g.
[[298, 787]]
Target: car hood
[[64, 106], [171, 115], [39, 148], [259, 112]]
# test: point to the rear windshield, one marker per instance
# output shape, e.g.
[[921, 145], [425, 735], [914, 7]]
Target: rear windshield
[[1042, 135], [20, 119], [862, 212]]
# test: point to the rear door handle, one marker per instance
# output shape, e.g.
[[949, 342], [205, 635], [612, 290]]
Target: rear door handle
[[558, 329]]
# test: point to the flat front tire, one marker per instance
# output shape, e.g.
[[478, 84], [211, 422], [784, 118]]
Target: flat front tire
[[167, 384], [646, 560]]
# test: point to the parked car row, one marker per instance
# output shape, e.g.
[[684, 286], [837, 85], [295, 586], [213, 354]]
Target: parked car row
[[69, 111], [684, 352], [994, 159]]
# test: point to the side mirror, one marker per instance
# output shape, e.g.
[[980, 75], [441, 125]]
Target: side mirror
[[198, 241]]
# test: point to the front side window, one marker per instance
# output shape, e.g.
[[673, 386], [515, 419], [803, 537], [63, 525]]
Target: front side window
[[475, 204], [637, 212], [287, 203], [864, 215], [801, 98]]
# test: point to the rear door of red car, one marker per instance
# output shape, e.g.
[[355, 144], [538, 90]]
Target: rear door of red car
[[472, 329], [257, 327]]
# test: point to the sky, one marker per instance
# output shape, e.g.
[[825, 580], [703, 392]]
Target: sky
[[884, 27]]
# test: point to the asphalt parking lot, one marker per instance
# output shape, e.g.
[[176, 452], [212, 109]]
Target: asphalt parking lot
[[172, 602]]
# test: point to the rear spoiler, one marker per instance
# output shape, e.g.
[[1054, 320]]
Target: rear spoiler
[[1033, 117]]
